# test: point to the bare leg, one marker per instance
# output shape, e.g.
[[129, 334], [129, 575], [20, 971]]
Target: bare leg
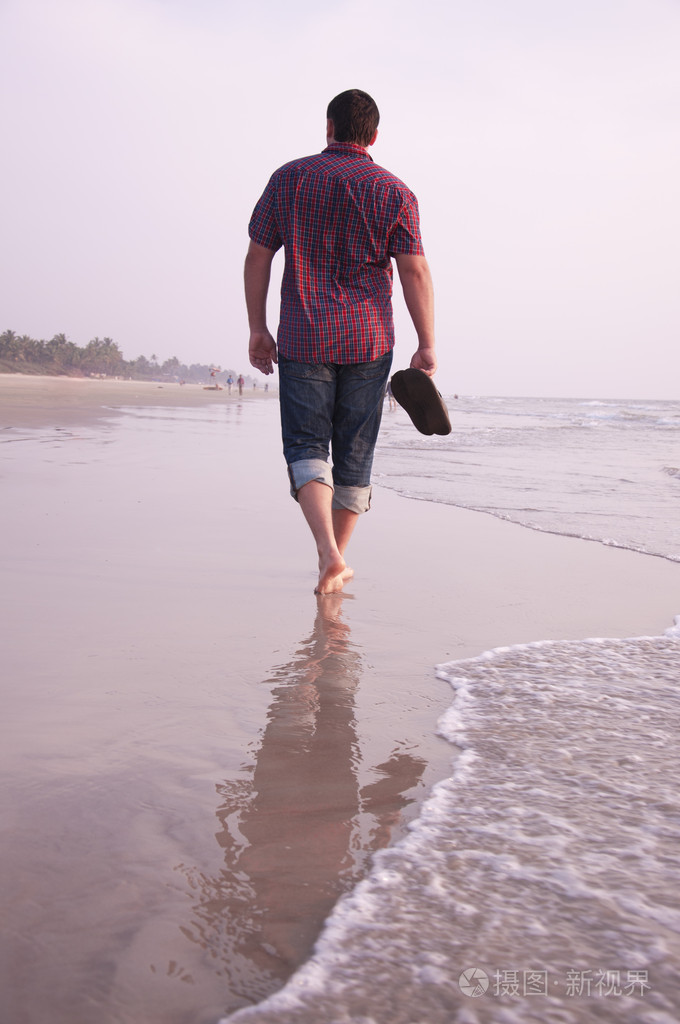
[[315, 501], [344, 522]]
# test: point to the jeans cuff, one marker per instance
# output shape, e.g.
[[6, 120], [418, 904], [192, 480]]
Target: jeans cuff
[[354, 499], [306, 470]]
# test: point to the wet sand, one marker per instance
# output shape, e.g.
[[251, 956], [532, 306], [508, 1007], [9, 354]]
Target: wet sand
[[35, 401], [198, 755]]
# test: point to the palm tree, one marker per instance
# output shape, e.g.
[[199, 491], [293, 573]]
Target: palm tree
[[112, 357], [8, 344], [32, 351], [170, 367], [142, 367]]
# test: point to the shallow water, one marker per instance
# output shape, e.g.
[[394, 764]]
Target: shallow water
[[152, 868], [190, 775], [540, 881]]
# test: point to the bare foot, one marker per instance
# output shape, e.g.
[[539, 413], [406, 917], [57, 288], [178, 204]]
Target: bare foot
[[333, 574]]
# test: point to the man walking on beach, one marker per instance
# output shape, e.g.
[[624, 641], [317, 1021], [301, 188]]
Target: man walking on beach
[[341, 219]]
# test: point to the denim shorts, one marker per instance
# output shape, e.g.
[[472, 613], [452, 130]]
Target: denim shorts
[[332, 409]]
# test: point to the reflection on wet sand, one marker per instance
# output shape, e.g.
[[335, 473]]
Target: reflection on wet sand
[[297, 832]]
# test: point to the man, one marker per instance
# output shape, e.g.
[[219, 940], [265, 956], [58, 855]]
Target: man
[[340, 219]]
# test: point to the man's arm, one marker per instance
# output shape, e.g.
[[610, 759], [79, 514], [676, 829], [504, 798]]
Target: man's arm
[[256, 274], [416, 283]]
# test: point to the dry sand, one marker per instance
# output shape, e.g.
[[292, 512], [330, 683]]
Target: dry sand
[[198, 755]]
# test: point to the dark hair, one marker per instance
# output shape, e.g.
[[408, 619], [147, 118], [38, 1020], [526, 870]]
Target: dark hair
[[355, 117]]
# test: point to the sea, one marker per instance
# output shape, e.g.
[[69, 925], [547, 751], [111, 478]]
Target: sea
[[541, 879], [601, 470]]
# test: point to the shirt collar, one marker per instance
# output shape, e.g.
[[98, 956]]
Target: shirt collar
[[348, 149]]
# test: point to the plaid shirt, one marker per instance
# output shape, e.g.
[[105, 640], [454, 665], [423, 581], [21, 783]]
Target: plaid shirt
[[340, 218]]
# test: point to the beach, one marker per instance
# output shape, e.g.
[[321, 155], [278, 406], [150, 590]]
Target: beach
[[41, 401], [199, 756]]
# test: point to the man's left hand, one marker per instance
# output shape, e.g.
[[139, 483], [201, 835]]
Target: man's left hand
[[425, 359]]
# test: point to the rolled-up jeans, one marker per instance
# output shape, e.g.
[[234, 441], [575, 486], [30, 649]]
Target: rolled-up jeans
[[332, 409]]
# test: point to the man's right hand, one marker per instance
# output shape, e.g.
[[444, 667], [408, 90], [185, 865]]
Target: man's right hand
[[262, 351], [262, 347]]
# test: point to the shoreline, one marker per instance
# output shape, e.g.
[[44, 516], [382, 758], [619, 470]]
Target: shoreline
[[31, 401], [168, 713], [509, 584]]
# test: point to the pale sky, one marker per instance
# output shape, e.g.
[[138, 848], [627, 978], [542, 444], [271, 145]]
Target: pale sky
[[542, 138]]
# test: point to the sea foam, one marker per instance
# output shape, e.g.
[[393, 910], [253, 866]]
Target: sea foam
[[540, 881]]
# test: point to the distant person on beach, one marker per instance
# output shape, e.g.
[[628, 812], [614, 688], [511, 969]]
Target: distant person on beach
[[230, 381], [340, 219], [240, 382]]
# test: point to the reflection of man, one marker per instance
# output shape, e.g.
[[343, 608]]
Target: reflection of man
[[296, 827], [340, 219]]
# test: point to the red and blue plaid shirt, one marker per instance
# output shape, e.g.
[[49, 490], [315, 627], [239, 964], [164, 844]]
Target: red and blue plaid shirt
[[340, 217]]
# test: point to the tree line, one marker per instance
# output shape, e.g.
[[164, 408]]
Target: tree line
[[100, 357]]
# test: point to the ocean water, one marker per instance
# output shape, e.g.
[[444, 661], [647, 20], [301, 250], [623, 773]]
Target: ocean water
[[602, 470], [541, 880]]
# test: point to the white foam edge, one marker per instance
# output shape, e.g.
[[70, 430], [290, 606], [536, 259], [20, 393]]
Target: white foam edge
[[314, 976]]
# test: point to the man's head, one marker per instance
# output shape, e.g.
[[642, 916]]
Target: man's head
[[355, 117]]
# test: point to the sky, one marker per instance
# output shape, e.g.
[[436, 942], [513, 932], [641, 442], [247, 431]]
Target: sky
[[541, 137]]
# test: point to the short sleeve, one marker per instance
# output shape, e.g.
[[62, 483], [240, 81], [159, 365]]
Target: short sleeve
[[263, 228], [405, 239]]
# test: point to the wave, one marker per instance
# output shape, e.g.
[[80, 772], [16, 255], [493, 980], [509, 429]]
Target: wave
[[538, 882], [573, 412], [537, 463]]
